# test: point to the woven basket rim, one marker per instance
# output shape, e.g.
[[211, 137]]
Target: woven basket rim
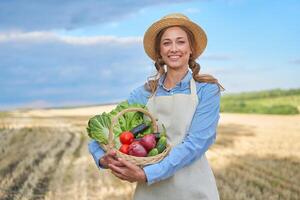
[[141, 161]]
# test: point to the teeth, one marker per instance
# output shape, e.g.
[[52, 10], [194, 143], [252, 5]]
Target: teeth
[[174, 57]]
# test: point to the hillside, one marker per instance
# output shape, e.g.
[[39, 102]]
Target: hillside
[[275, 101]]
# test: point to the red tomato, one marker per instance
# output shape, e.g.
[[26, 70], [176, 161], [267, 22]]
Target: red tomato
[[126, 137], [124, 148]]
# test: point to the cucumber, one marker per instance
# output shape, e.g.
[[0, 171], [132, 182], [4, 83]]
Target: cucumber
[[153, 152], [161, 144], [164, 132]]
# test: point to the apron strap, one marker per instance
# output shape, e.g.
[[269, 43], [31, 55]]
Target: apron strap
[[193, 87], [194, 91]]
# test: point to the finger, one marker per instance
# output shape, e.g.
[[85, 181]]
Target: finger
[[112, 153], [120, 176], [116, 168], [123, 177], [108, 157], [115, 162], [127, 163]]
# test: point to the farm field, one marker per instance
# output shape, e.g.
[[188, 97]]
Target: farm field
[[277, 101], [44, 155]]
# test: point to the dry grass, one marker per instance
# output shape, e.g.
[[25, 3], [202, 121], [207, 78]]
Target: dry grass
[[257, 157], [43, 155]]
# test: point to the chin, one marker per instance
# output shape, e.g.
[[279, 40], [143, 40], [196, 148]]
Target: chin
[[175, 65]]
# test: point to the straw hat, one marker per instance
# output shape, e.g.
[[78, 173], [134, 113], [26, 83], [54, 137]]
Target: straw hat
[[173, 20]]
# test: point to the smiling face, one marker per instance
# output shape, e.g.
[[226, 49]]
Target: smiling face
[[175, 48]]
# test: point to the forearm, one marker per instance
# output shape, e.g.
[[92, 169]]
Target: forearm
[[180, 156], [199, 138]]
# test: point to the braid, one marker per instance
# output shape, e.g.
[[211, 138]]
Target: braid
[[159, 65], [152, 82], [195, 67]]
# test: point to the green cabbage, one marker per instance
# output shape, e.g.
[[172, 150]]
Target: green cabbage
[[98, 126]]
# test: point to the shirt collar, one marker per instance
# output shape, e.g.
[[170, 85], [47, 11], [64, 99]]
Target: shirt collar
[[185, 81]]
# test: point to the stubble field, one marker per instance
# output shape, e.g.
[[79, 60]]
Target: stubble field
[[44, 155]]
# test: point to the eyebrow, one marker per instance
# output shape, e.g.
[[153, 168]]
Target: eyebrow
[[176, 38]]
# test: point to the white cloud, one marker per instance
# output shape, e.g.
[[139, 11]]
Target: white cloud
[[44, 65], [75, 40], [26, 36], [100, 39]]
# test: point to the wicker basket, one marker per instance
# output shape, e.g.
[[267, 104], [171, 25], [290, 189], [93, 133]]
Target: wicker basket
[[141, 161]]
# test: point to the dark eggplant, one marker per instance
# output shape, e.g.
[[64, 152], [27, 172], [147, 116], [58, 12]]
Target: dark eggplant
[[157, 135], [138, 129]]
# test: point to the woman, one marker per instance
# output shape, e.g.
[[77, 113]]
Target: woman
[[187, 103]]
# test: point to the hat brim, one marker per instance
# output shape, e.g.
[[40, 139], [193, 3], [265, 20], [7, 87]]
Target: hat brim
[[155, 28]]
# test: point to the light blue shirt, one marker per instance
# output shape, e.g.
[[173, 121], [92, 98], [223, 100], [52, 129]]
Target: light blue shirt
[[199, 138]]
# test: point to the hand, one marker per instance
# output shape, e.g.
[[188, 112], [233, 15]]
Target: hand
[[110, 158], [128, 172]]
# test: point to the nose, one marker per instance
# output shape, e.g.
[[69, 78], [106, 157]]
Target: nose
[[174, 47]]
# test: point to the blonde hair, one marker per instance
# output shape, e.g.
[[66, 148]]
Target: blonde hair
[[152, 81]]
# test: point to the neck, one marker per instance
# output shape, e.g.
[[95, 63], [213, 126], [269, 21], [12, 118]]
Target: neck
[[174, 76]]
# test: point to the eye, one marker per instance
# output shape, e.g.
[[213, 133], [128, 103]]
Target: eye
[[181, 42], [166, 43]]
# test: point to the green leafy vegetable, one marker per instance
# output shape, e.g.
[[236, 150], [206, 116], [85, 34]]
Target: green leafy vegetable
[[98, 126]]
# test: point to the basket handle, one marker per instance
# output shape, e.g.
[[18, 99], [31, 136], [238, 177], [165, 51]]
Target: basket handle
[[115, 120]]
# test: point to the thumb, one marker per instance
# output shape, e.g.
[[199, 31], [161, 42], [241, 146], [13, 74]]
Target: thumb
[[112, 153]]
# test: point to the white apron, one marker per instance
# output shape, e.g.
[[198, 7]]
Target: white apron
[[193, 182]]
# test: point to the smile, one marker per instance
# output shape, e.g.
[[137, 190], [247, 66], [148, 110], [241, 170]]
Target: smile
[[174, 57]]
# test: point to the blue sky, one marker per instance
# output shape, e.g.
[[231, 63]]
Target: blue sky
[[67, 53]]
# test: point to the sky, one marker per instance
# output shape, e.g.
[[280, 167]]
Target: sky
[[57, 53]]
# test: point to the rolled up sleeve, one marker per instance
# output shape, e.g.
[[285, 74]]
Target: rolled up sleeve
[[201, 135], [97, 152]]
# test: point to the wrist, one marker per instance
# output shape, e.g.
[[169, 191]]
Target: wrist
[[143, 177]]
